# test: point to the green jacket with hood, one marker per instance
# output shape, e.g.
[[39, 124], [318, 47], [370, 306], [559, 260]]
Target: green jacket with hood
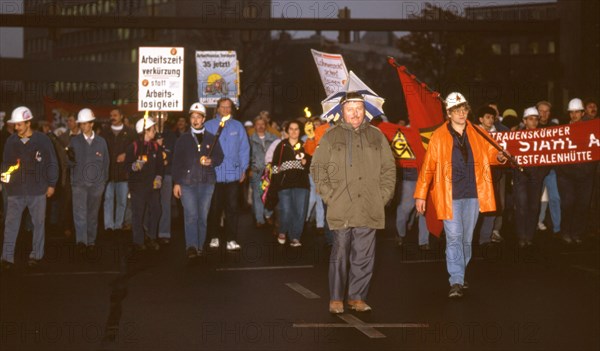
[[355, 174]]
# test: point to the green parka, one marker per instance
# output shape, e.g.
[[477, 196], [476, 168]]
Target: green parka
[[355, 174]]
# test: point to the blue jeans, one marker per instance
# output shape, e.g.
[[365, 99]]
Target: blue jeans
[[315, 201], [292, 211], [404, 210], [459, 234], [196, 201], [166, 193], [260, 212], [14, 211], [114, 219], [553, 201], [86, 205]]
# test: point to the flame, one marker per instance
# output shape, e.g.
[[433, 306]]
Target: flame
[[13, 168], [307, 112], [223, 120]]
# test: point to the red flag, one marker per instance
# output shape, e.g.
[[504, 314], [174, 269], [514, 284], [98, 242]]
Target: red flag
[[424, 115]]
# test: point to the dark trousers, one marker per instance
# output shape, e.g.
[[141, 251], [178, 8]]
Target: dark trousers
[[527, 191], [144, 201], [225, 198], [356, 245], [575, 191]]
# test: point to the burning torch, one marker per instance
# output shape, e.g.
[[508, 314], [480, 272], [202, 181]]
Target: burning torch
[[5, 177], [309, 127], [217, 136]]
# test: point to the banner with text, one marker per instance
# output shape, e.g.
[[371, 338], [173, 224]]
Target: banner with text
[[574, 143], [218, 76], [332, 70], [160, 79]]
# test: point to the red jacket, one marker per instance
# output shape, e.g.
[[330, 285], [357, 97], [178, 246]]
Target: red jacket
[[437, 171]]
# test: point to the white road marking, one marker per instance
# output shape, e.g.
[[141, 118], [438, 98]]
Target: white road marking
[[69, 273], [263, 268], [586, 269], [366, 328], [302, 291]]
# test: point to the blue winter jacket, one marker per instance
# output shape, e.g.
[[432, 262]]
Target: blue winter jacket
[[236, 149]]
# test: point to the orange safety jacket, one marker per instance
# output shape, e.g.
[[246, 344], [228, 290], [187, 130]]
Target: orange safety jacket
[[436, 171]]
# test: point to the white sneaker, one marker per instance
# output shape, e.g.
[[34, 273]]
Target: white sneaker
[[496, 237], [295, 243], [232, 245], [542, 226], [214, 243]]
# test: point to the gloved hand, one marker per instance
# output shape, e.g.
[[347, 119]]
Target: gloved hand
[[138, 165], [157, 184], [309, 130]]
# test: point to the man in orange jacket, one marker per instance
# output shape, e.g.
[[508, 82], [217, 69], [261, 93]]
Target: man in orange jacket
[[457, 167]]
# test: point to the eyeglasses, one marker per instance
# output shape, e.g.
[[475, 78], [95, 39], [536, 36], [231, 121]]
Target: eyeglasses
[[461, 111]]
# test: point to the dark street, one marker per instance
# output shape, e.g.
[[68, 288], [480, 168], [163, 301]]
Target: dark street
[[272, 297]]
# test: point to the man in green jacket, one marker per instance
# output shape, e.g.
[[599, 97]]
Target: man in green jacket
[[354, 172]]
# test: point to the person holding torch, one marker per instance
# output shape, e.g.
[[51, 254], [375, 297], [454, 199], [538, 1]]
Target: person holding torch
[[29, 172], [195, 156], [145, 163]]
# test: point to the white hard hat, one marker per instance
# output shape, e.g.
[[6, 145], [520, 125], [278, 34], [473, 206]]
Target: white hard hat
[[20, 114], [455, 99], [531, 111], [85, 115], [139, 125], [198, 107], [576, 105]]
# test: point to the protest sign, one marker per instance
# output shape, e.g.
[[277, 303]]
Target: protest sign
[[160, 79]]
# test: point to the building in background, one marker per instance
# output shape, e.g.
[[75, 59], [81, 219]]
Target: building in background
[[98, 66], [556, 65]]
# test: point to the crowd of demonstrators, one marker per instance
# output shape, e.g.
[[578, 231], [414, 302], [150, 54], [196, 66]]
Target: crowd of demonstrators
[[205, 162]]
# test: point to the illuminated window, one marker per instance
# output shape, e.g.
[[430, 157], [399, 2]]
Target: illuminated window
[[497, 49], [514, 48], [551, 47], [534, 48]]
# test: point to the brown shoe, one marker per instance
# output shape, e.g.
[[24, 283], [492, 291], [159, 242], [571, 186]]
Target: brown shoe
[[336, 307], [358, 305]]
